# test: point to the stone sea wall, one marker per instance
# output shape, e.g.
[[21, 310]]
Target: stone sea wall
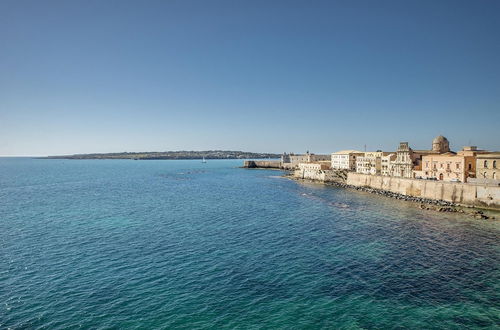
[[326, 176], [262, 164], [426, 191], [458, 193]]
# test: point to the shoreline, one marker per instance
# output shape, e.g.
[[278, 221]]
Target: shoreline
[[419, 202]]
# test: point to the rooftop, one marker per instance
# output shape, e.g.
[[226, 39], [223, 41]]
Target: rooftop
[[343, 152]]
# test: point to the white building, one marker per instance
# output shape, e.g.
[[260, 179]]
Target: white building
[[371, 162], [345, 159], [386, 162]]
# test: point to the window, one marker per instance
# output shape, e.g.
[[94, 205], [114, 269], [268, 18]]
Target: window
[[441, 165], [448, 166], [484, 175], [494, 164], [494, 175], [458, 166], [470, 166], [485, 164]]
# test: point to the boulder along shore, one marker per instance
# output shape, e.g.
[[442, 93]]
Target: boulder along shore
[[422, 203]]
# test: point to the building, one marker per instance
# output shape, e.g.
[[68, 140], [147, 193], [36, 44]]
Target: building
[[325, 164], [447, 167], [440, 145], [408, 162], [472, 151], [487, 167], [450, 166], [385, 164], [370, 162], [404, 162], [313, 166], [345, 159], [319, 158], [292, 160]]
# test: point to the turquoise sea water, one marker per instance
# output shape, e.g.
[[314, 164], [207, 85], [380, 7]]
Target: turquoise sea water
[[181, 244]]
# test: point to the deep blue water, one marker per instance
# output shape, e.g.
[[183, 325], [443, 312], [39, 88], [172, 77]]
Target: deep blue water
[[181, 244]]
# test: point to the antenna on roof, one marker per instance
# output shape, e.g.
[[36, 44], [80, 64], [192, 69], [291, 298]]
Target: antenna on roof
[[365, 147]]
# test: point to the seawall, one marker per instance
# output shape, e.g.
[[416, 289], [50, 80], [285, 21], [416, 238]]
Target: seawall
[[262, 164], [338, 176], [458, 193]]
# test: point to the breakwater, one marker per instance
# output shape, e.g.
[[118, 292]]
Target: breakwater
[[276, 164]]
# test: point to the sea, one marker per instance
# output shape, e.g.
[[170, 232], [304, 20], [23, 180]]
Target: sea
[[181, 244]]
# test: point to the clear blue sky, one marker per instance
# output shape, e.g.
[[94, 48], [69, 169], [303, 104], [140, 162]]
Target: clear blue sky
[[274, 76]]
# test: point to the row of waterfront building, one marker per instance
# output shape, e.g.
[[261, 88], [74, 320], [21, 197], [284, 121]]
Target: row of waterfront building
[[439, 163]]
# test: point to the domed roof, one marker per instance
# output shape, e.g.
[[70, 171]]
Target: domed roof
[[440, 139]]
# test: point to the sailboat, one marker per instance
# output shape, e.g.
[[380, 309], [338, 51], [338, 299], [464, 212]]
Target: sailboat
[[203, 161]]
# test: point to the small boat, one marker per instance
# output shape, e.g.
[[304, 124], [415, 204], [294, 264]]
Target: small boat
[[203, 161]]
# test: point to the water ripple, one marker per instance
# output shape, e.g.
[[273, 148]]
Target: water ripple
[[187, 245]]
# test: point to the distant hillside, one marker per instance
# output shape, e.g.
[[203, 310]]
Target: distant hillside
[[210, 154]]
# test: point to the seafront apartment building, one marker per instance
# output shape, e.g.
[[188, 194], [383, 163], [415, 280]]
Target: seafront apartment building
[[386, 161], [438, 163], [447, 167], [345, 159], [370, 162], [487, 167]]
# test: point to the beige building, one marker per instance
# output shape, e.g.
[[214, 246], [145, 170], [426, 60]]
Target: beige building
[[447, 167], [487, 167], [451, 166], [370, 162], [408, 162], [345, 159], [314, 166]]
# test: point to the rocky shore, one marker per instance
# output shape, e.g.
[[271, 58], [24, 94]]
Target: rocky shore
[[422, 203]]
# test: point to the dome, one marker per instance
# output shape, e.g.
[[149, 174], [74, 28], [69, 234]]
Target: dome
[[440, 144], [440, 139]]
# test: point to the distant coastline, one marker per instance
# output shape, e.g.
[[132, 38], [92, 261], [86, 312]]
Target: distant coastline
[[208, 154]]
